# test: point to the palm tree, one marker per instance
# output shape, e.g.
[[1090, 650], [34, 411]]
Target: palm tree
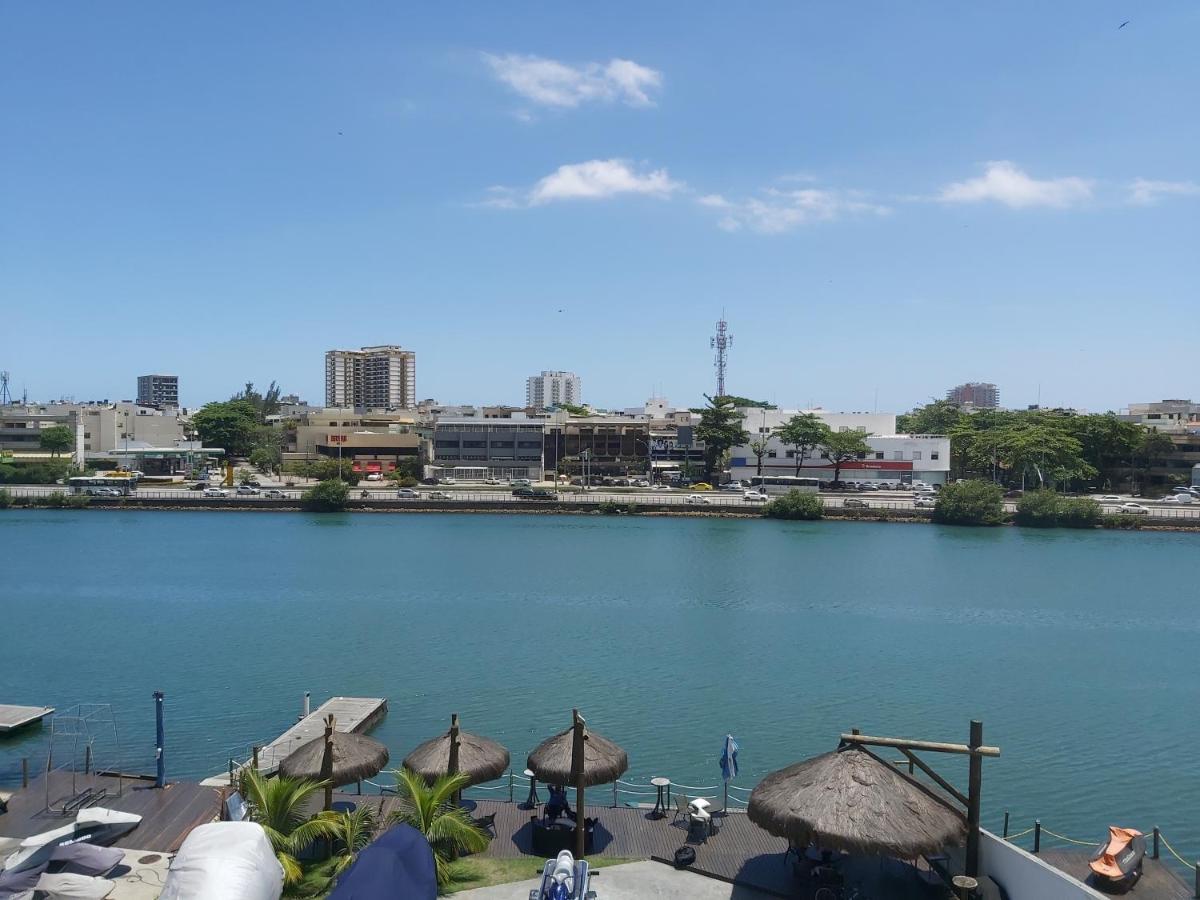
[[354, 831], [429, 809], [279, 805]]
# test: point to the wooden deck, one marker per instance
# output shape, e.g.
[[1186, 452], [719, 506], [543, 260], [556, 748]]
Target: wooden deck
[[1158, 881], [168, 815], [14, 717], [352, 715], [739, 853]]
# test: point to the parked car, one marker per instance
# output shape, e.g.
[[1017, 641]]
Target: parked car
[[407, 494], [215, 492], [429, 481], [375, 476], [640, 482], [853, 503], [924, 503], [698, 499], [755, 497], [440, 495], [532, 493], [1133, 509], [245, 490], [274, 494]]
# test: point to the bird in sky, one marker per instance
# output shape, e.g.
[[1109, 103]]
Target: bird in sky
[[1123, 24]]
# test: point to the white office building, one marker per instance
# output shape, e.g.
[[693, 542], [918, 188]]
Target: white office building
[[552, 389], [382, 377]]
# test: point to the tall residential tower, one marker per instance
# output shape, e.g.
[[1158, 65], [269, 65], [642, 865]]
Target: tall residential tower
[[553, 388], [374, 377], [158, 390]]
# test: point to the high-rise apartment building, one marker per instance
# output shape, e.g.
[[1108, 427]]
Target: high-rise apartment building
[[374, 377], [158, 390], [977, 394], [553, 388]]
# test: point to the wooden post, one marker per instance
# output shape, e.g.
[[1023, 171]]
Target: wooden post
[[254, 757], [1037, 835], [1196, 892], [327, 763], [614, 793], [24, 771], [974, 787], [1154, 852], [1006, 823], [578, 764], [87, 760], [510, 785], [455, 741]]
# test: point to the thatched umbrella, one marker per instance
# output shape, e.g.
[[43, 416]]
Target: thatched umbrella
[[336, 758], [581, 758], [479, 758], [852, 800]]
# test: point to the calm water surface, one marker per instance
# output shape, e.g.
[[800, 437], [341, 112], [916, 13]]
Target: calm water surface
[[1079, 651]]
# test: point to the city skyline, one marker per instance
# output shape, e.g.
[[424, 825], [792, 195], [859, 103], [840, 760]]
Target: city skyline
[[527, 178]]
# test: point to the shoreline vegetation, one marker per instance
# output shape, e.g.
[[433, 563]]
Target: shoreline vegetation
[[1038, 512]]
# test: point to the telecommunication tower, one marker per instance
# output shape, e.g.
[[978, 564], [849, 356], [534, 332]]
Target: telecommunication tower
[[5, 396], [721, 342]]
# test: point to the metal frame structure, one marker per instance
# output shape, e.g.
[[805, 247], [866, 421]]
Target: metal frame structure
[[78, 728]]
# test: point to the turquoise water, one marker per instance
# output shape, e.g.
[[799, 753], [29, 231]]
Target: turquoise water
[[1077, 650]]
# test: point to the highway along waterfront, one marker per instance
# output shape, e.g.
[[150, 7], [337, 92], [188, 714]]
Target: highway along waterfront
[[1078, 649]]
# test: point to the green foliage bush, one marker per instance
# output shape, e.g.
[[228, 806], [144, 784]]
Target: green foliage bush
[[1120, 520], [1048, 509], [407, 481], [5, 499], [970, 503], [328, 496], [795, 505], [34, 473], [613, 508]]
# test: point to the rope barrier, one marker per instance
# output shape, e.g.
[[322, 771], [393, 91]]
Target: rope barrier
[[696, 787], [1171, 850], [1063, 837], [1013, 837]]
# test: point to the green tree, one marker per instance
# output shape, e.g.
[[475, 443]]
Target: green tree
[[1039, 509], [431, 810], [839, 447], [938, 417], [1047, 452], [264, 404], [804, 433], [1152, 446], [5, 498], [279, 805], [970, 503], [264, 460], [795, 505], [745, 403], [353, 831], [721, 430], [57, 439], [232, 426], [327, 496], [758, 447]]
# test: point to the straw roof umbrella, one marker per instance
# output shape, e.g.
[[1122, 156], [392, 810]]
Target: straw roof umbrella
[[581, 758], [852, 800], [336, 758], [479, 758]]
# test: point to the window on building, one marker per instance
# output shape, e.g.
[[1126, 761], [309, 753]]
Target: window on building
[[477, 445], [879, 454], [916, 454], [897, 454], [771, 454], [933, 454], [791, 454]]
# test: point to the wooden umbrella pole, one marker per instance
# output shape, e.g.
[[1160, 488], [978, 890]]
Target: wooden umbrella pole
[[577, 769], [452, 766], [327, 763]]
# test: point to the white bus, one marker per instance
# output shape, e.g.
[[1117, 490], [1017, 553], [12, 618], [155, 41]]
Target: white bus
[[781, 484], [102, 485]]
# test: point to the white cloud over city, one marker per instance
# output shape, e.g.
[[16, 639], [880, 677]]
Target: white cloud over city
[[549, 82], [596, 179], [774, 211], [1005, 183], [1146, 192]]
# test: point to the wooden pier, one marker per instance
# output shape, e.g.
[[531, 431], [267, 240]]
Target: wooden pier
[[14, 717], [353, 715]]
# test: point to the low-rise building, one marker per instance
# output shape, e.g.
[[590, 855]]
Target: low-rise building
[[471, 449], [1164, 415], [373, 441]]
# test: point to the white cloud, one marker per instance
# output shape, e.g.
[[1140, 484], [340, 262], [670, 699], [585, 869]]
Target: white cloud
[[553, 83], [776, 211], [1144, 191], [1003, 182], [596, 179]]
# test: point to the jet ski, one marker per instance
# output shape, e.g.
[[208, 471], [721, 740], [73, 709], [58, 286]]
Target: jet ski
[[1117, 863], [95, 825], [564, 878]]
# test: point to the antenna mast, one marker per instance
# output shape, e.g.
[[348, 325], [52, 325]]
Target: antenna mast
[[721, 342], [5, 396]]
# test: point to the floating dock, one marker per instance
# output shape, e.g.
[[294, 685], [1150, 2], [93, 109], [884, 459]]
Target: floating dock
[[14, 717], [352, 715]]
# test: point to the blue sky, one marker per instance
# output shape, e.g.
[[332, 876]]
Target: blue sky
[[885, 199]]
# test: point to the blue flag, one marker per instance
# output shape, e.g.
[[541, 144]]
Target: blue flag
[[729, 760]]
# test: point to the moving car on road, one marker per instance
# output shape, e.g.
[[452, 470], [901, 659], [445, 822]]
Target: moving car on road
[[520, 482], [1108, 498], [924, 503], [247, 490], [492, 481], [698, 499], [216, 492], [853, 503], [755, 497], [274, 494], [1134, 509], [532, 493], [407, 494], [1178, 498], [440, 495]]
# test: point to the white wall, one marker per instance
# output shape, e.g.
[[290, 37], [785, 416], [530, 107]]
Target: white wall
[[1023, 875]]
